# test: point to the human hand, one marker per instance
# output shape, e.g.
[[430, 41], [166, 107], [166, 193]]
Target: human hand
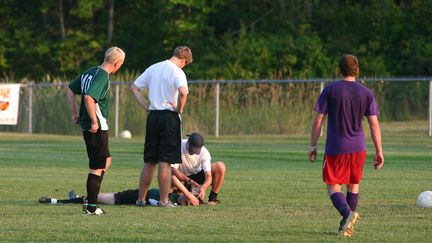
[[194, 201], [378, 161], [312, 154], [201, 193], [75, 118], [94, 127]]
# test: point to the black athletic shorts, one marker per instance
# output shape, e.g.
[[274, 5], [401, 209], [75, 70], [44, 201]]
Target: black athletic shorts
[[97, 148], [198, 177], [127, 197], [163, 137]]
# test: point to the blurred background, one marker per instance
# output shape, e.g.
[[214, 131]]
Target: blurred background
[[258, 68]]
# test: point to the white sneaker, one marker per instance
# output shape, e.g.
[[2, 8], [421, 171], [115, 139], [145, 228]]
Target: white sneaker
[[72, 195], [169, 204], [98, 212]]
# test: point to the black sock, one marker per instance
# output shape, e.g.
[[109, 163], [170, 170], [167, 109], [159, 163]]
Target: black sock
[[93, 186], [213, 196], [72, 200]]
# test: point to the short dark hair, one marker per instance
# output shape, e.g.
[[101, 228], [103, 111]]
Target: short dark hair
[[348, 65], [183, 52]]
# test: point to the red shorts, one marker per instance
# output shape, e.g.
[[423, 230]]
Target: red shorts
[[343, 168]]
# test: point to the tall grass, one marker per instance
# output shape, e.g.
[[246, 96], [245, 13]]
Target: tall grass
[[253, 108]]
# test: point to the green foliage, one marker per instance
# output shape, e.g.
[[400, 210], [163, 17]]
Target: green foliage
[[230, 39]]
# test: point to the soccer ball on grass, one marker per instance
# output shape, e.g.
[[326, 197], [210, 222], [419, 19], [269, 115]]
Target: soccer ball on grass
[[424, 200], [126, 134]]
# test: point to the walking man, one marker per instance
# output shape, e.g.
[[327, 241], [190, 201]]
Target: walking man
[[167, 91], [346, 103], [93, 86]]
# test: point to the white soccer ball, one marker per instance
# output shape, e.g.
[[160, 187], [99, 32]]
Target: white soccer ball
[[126, 134], [424, 200]]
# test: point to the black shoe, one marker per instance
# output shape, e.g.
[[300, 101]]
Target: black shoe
[[213, 202], [47, 200]]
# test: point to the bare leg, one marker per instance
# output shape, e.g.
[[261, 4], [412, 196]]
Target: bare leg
[[353, 188], [164, 179], [106, 198], [333, 189], [218, 175], [145, 179]]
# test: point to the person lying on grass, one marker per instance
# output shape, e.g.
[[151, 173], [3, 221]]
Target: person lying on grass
[[179, 195]]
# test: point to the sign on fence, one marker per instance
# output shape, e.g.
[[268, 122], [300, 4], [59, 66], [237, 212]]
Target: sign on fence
[[9, 103]]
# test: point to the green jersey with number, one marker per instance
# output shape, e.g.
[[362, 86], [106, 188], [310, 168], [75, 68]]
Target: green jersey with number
[[95, 83]]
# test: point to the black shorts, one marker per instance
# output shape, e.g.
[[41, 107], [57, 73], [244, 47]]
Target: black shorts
[[198, 177], [97, 148], [127, 197], [163, 137]]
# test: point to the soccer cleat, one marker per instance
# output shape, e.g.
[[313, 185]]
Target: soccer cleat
[[97, 212], [72, 195], [140, 203], [346, 227], [213, 202], [169, 204], [47, 200]]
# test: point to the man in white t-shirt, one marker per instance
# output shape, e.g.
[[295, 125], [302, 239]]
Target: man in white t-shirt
[[196, 168], [167, 91]]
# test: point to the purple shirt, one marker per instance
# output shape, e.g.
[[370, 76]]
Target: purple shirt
[[346, 103]]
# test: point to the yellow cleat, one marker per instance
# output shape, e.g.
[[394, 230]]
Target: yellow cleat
[[346, 228]]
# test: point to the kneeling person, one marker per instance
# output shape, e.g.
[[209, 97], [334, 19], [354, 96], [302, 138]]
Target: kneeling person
[[196, 168]]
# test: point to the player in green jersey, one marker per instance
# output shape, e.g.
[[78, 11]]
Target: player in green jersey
[[93, 86]]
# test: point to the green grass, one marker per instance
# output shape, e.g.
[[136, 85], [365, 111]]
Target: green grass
[[271, 192]]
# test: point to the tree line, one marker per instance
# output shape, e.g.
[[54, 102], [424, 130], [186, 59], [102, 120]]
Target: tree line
[[230, 39]]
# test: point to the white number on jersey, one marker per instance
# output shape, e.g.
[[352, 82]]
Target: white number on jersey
[[86, 81]]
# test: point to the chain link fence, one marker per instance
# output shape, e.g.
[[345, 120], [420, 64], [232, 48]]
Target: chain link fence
[[227, 107]]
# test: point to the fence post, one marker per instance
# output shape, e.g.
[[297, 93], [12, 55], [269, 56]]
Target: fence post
[[30, 107], [117, 93], [217, 110], [430, 108]]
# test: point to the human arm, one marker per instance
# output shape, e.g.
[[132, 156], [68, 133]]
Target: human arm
[[139, 97], [315, 134], [91, 110], [72, 105], [207, 183], [182, 177], [376, 137], [181, 99], [177, 183]]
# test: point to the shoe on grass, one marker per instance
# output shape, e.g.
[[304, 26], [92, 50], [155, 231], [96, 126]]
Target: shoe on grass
[[346, 227], [213, 202], [169, 204], [140, 203], [72, 195], [97, 212], [47, 200]]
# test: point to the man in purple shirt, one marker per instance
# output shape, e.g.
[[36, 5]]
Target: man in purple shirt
[[346, 102]]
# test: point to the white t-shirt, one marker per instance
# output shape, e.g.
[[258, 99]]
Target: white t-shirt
[[192, 164], [162, 81]]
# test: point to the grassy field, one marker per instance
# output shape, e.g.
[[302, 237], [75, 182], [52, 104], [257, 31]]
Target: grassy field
[[271, 192]]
